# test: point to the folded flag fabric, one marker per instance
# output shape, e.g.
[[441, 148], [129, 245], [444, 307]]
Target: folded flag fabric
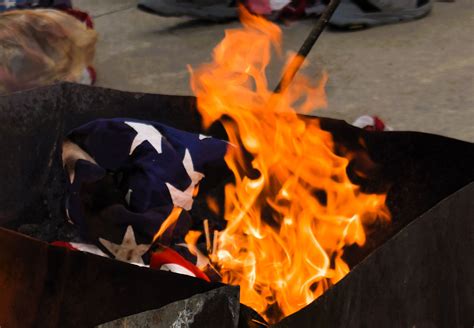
[[125, 178], [88, 248], [165, 259]]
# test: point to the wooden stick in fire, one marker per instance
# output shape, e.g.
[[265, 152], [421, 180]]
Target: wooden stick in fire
[[214, 242], [308, 44], [208, 236]]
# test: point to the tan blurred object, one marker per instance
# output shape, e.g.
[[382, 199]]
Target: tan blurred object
[[42, 46]]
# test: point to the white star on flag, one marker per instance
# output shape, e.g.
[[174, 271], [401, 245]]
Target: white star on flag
[[145, 132], [189, 167], [184, 199], [128, 250], [203, 136]]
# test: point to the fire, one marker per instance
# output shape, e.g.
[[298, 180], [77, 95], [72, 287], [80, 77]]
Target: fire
[[290, 215]]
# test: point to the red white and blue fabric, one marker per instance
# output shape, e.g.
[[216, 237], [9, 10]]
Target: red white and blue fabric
[[165, 259], [371, 123], [141, 171]]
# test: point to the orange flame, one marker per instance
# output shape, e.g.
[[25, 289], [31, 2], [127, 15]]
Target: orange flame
[[168, 222], [290, 219]]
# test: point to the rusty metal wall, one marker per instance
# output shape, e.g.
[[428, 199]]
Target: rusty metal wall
[[48, 286]]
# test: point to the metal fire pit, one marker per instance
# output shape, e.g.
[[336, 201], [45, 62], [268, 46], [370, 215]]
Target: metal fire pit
[[415, 272]]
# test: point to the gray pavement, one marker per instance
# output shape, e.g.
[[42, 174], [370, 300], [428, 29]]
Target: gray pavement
[[417, 75]]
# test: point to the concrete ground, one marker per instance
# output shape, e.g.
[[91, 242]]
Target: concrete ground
[[417, 75]]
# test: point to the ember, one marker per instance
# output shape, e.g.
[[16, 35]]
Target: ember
[[294, 210]]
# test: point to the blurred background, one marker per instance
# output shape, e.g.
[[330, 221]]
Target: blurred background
[[416, 75]]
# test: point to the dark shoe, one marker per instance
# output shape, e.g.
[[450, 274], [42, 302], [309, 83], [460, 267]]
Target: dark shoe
[[214, 10], [354, 14]]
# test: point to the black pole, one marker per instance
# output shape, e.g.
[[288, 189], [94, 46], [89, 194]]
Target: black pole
[[311, 39]]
